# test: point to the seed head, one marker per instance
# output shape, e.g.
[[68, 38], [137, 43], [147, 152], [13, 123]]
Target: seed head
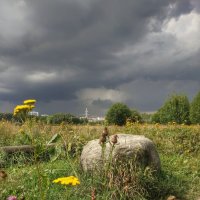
[[105, 132], [114, 139], [102, 139], [3, 174], [93, 194]]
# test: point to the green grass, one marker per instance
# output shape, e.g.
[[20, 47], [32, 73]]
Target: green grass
[[31, 177]]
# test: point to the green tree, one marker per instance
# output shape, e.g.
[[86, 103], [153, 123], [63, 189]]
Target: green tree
[[195, 110], [176, 109], [68, 118], [135, 116], [147, 117], [118, 113], [156, 116], [6, 116]]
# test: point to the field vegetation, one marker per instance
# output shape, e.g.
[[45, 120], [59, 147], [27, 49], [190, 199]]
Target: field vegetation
[[30, 175], [49, 166]]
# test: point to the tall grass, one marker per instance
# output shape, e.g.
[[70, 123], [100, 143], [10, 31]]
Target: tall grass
[[31, 177]]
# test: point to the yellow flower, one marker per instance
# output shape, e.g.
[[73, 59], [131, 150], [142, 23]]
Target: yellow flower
[[22, 107], [29, 101], [70, 180], [28, 106], [21, 131]]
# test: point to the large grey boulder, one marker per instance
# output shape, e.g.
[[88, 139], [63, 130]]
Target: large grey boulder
[[129, 147]]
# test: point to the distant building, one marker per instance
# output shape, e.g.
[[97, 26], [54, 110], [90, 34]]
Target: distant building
[[33, 113], [91, 118], [44, 115], [96, 119]]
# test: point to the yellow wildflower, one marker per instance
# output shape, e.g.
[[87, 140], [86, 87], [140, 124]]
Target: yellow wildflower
[[28, 106], [20, 108], [29, 101], [21, 131], [70, 180]]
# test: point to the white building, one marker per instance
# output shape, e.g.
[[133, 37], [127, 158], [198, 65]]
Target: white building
[[96, 119], [33, 113]]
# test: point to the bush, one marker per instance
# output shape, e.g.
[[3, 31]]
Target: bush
[[176, 109], [118, 114], [62, 117], [147, 117], [135, 116], [6, 116], [195, 110]]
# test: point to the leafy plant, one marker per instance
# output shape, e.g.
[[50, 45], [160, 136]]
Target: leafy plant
[[67, 118], [175, 109], [195, 110], [118, 113]]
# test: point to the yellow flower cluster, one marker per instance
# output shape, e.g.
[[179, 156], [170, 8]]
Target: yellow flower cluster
[[30, 102], [70, 180], [129, 123], [26, 107]]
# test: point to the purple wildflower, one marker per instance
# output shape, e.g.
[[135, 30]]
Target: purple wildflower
[[12, 198]]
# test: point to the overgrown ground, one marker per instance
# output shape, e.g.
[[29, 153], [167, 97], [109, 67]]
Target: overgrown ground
[[31, 176]]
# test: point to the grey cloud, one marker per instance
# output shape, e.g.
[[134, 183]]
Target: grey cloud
[[67, 32], [181, 7], [102, 103], [149, 95], [196, 5], [58, 37]]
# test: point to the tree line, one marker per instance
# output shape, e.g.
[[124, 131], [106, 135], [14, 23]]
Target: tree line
[[176, 109], [54, 119]]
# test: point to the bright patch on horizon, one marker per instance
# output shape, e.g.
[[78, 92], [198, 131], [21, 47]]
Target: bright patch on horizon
[[91, 94]]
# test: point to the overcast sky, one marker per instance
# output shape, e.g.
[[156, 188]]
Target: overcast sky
[[73, 54]]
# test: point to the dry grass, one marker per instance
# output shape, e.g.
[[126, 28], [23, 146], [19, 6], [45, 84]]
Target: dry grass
[[178, 146]]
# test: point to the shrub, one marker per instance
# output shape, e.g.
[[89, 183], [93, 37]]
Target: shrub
[[118, 113], [62, 117], [135, 116], [195, 110], [147, 117], [6, 116], [176, 109]]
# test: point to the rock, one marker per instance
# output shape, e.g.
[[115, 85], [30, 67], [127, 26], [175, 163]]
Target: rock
[[132, 147], [172, 198]]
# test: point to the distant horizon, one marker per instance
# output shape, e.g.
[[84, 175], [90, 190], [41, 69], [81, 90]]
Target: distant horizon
[[80, 114]]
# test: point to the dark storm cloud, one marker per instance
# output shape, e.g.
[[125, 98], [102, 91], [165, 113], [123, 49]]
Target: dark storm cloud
[[72, 33], [181, 7], [51, 50], [102, 103], [196, 5]]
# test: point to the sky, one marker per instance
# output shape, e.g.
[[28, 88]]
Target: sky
[[73, 54]]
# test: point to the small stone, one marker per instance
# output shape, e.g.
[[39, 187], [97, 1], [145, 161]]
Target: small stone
[[172, 198]]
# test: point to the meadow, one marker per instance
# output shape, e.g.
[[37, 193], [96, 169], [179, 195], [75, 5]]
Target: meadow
[[30, 175]]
